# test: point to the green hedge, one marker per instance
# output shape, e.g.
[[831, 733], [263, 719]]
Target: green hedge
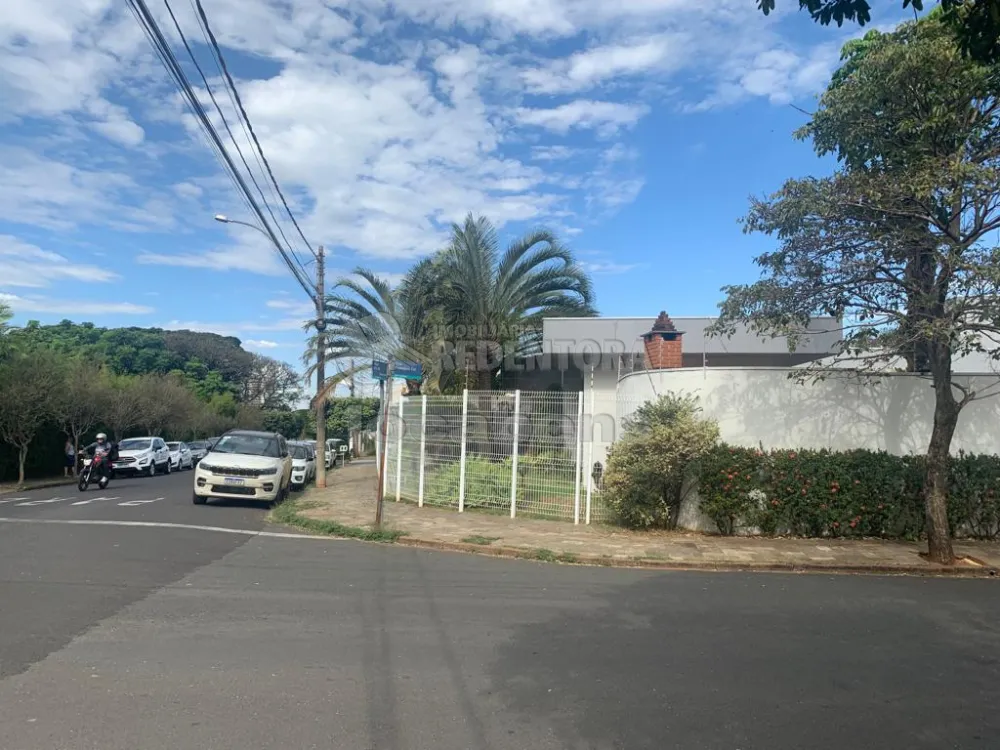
[[843, 494]]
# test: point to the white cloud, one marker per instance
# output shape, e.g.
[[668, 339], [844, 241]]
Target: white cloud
[[295, 307], [607, 268], [777, 74], [25, 265], [594, 66], [70, 307], [260, 344], [606, 117], [236, 328], [383, 121]]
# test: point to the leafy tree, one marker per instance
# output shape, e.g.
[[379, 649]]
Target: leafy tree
[[291, 424], [81, 400], [5, 315], [347, 414], [648, 468], [28, 384], [125, 406], [897, 243], [975, 23]]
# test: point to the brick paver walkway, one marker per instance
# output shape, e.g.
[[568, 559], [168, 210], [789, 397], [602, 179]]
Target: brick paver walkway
[[349, 499]]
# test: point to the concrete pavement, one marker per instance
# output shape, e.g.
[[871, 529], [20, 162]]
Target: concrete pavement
[[179, 638]]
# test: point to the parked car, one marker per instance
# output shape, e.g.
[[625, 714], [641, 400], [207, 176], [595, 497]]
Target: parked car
[[180, 456], [245, 464], [143, 455], [303, 465], [211, 442], [199, 449]]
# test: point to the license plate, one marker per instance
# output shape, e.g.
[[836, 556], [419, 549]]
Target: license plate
[[120, 466], [234, 480]]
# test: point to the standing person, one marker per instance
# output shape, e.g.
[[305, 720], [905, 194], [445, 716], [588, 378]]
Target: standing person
[[69, 467]]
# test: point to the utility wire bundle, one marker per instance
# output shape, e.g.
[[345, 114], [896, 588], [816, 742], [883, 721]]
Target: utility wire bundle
[[256, 200]]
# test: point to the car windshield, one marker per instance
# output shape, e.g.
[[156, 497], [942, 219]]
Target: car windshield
[[134, 445], [299, 451], [249, 445], [197, 445], [174, 446]]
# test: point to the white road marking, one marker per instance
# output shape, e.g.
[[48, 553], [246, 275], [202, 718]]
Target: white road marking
[[164, 525], [92, 500], [44, 502], [130, 503], [12, 500]]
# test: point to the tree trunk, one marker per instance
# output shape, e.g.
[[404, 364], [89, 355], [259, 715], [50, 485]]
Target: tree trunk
[[946, 411], [484, 380], [22, 456]]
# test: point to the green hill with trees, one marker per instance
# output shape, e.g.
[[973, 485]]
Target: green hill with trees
[[73, 379]]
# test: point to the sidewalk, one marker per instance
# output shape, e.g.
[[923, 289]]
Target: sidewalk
[[349, 500], [36, 484]]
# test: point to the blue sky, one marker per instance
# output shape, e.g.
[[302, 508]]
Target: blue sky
[[636, 130]]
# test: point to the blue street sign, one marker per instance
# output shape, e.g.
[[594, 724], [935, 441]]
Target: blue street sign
[[404, 370]]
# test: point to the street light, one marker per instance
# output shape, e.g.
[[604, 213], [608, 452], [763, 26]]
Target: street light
[[318, 296]]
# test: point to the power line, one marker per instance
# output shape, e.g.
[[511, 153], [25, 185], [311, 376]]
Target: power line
[[225, 123], [162, 48], [239, 102]]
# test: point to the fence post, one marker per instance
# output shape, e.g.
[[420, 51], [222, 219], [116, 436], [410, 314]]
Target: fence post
[[399, 452], [513, 463], [590, 448], [579, 453], [461, 460], [423, 447]]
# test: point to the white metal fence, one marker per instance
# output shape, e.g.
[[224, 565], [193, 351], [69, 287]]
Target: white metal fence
[[512, 452]]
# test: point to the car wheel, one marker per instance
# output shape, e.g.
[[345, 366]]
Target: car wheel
[[152, 469], [167, 467], [199, 500]]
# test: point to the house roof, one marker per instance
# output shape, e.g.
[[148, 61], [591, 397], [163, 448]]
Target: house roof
[[624, 335]]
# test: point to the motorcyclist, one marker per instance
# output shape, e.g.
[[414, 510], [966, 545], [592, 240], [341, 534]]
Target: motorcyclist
[[106, 449]]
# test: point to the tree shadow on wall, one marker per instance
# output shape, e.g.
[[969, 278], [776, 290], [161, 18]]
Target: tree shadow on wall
[[893, 413], [698, 660]]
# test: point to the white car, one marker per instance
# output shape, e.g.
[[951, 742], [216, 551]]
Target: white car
[[143, 455], [180, 456], [245, 465], [303, 465]]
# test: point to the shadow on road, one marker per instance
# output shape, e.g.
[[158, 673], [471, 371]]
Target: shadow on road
[[760, 661]]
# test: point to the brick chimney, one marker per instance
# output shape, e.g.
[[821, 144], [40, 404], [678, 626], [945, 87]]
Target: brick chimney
[[664, 345]]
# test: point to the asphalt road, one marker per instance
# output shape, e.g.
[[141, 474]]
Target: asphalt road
[[118, 637]]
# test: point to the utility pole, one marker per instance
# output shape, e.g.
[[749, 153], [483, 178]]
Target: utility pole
[[321, 362], [380, 482]]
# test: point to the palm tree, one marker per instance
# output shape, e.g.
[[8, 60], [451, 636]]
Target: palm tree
[[503, 297], [498, 298]]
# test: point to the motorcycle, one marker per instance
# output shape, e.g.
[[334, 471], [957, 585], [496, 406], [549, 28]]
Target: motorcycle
[[93, 468]]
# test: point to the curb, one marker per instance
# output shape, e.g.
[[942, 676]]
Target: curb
[[518, 553], [40, 486], [720, 567]]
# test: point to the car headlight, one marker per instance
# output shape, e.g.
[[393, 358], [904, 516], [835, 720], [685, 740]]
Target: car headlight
[[268, 472]]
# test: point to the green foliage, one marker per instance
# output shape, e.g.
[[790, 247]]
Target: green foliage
[[975, 24], [289, 513], [842, 494], [486, 482], [291, 424], [346, 414], [649, 467], [472, 292]]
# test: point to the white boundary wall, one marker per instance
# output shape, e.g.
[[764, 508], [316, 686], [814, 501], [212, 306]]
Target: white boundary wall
[[765, 407]]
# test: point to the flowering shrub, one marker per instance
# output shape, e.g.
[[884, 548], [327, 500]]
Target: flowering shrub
[[842, 494]]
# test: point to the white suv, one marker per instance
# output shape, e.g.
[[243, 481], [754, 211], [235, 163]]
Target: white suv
[[143, 455], [244, 465]]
